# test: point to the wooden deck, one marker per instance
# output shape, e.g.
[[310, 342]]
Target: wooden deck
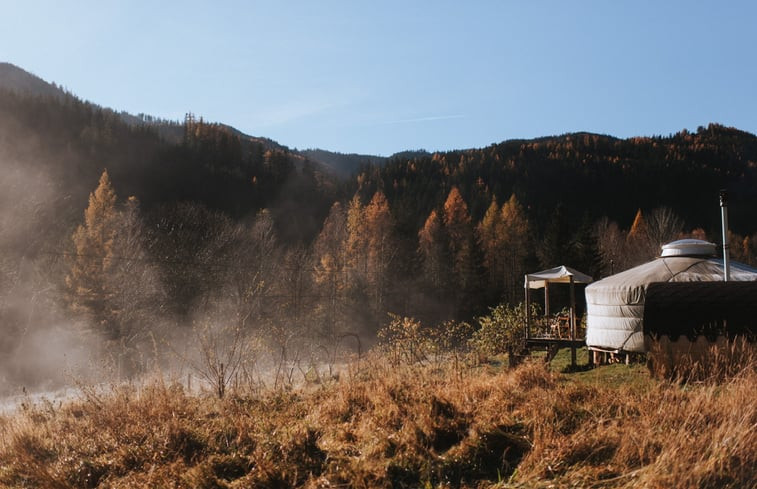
[[553, 344], [559, 342]]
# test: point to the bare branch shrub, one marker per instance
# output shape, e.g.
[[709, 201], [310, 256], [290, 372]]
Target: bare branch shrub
[[663, 226], [224, 352]]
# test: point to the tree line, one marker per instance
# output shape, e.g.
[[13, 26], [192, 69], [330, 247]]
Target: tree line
[[213, 226], [126, 271]]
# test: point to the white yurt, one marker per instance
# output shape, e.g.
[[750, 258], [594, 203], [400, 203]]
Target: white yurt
[[615, 305]]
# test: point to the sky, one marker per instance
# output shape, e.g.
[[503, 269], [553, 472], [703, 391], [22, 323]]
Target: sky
[[378, 77]]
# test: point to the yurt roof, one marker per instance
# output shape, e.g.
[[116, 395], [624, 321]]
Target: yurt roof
[[622, 288], [561, 274]]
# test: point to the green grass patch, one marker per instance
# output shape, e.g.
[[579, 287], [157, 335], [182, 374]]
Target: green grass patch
[[634, 376]]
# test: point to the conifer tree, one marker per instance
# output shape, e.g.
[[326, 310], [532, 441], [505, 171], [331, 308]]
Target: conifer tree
[[459, 231], [380, 247], [490, 234], [432, 250], [611, 243], [329, 273], [356, 242], [89, 289], [357, 294], [515, 231], [638, 229]]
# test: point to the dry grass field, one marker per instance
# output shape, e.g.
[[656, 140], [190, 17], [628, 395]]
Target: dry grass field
[[388, 425]]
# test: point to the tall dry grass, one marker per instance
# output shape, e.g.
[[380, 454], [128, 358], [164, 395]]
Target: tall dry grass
[[389, 425], [700, 360]]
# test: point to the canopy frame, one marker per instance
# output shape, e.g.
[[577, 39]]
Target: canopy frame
[[561, 274]]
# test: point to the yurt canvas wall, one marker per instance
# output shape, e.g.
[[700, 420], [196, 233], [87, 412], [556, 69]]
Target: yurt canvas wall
[[615, 305]]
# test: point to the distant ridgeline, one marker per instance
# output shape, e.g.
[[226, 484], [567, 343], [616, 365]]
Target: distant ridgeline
[[586, 176], [564, 183], [72, 141]]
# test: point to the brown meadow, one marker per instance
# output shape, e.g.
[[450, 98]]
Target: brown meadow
[[387, 425]]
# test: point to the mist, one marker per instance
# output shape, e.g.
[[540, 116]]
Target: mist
[[41, 346], [188, 289]]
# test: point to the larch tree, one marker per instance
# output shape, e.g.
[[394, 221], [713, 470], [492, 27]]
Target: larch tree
[[637, 241], [638, 227], [515, 231], [89, 288], [329, 271], [490, 235], [433, 253], [458, 229], [380, 248], [611, 242], [358, 296], [356, 243]]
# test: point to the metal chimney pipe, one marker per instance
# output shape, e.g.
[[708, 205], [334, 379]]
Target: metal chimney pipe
[[724, 218]]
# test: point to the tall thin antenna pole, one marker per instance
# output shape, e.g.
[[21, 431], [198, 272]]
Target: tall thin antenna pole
[[724, 218]]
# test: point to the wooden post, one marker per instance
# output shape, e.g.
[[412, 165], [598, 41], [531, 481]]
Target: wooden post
[[546, 298], [528, 308], [572, 322]]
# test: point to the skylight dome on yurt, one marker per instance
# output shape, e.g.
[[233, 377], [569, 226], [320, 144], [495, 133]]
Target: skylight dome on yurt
[[689, 247]]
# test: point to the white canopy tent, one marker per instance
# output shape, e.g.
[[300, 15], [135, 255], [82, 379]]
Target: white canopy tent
[[541, 280], [561, 274], [615, 305]]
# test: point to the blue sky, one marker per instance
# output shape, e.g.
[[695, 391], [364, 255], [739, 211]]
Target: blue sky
[[386, 76]]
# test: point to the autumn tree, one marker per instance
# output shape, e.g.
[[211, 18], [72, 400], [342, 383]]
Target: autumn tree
[[294, 281], [250, 259], [356, 242], [611, 242], [88, 286], [133, 278], [515, 232], [111, 279], [433, 252], [638, 242], [490, 234], [380, 248], [458, 229], [357, 296], [338, 313], [329, 273], [459, 232], [749, 250]]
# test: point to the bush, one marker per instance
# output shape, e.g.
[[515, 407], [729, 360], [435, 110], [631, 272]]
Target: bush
[[502, 331]]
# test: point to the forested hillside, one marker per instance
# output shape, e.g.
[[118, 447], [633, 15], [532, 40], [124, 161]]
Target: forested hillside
[[586, 175], [127, 231]]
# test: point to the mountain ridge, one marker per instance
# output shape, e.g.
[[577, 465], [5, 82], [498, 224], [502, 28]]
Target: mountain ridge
[[598, 166], [16, 79]]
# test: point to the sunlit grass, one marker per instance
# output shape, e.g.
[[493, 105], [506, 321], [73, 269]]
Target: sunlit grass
[[408, 425]]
